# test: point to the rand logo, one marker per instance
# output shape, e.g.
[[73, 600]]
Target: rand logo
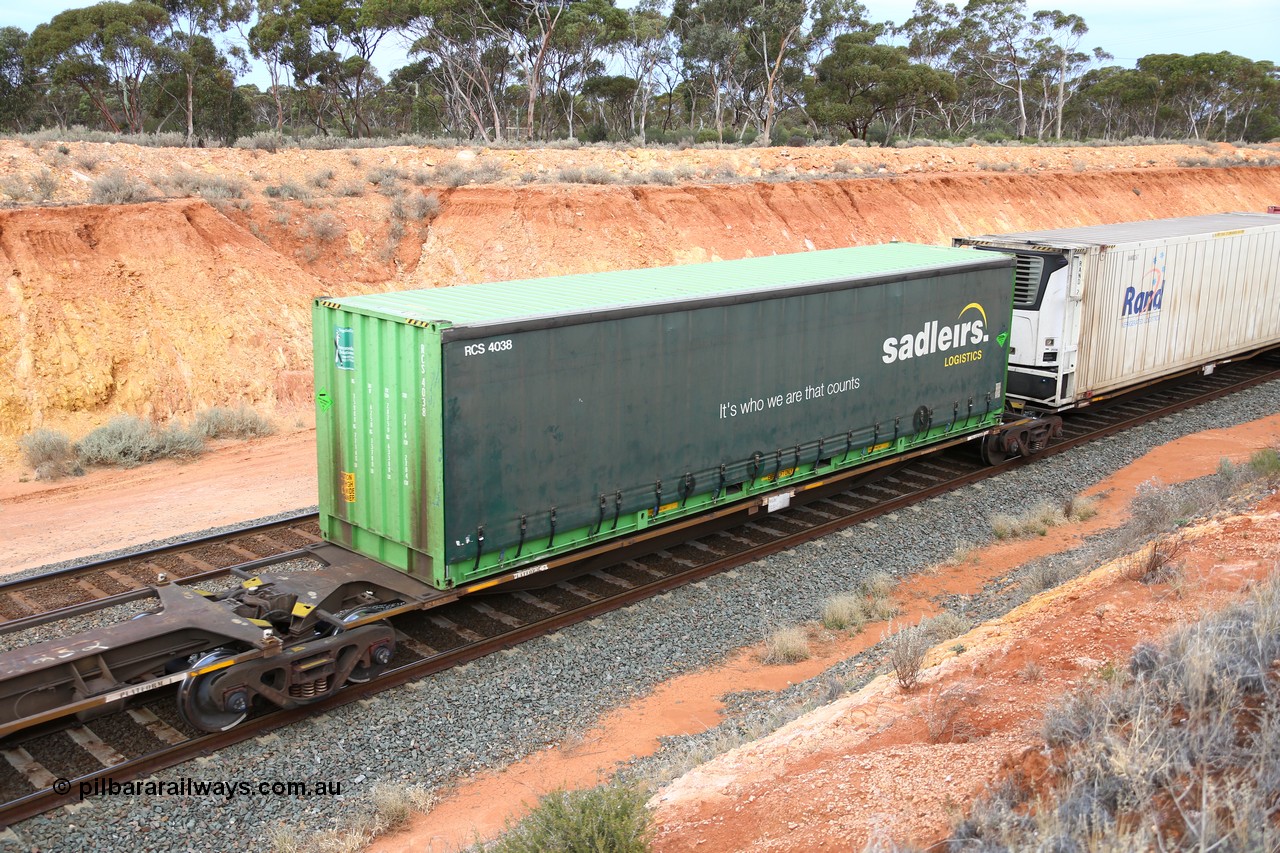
[[1143, 304]]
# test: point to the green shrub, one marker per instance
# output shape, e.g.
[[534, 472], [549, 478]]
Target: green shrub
[[451, 175], [384, 175], [116, 187], [878, 590], [1178, 751], [50, 453], [325, 227], [128, 441], [44, 184], [217, 188], [1045, 575], [1266, 463], [1035, 522], [946, 625], [287, 189], [240, 422], [612, 818], [395, 804], [597, 175], [415, 206]]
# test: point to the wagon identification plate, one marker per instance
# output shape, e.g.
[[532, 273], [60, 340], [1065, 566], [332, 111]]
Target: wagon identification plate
[[777, 502], [344, 343]]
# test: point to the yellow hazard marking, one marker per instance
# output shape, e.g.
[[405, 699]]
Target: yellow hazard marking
[[261, 623], [664, 508], [251, 583], [876, 448], [349, 486], [301, 609], [222, 664]]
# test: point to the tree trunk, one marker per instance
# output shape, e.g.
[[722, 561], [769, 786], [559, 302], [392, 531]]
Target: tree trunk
[[1062, 97], [191, 86]]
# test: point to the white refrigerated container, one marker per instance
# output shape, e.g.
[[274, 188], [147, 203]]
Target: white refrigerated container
[[1106, 308]]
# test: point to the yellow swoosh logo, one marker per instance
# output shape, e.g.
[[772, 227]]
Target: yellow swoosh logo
[[980, 311]]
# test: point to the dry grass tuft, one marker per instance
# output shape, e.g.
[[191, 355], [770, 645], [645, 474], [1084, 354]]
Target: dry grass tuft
[[786, 645], [845, 612]]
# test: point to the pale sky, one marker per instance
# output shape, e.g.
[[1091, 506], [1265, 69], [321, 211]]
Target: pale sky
[[1128, 30]]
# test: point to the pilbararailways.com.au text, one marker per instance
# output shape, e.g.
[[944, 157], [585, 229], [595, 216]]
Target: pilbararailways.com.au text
[[227, 789]]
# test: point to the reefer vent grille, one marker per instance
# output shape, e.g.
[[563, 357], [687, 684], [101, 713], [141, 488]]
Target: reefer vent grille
[[1026, 280]]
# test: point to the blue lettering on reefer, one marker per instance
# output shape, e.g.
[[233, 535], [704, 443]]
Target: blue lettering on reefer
[[1138, 302], [1141, 306]]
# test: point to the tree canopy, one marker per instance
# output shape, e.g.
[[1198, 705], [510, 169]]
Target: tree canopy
[[662, 70]]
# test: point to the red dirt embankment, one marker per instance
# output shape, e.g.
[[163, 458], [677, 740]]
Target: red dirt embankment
[[164, 308], [150, 309]]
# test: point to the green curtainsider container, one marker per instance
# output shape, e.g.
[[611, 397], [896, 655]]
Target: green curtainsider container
[[474, 430]]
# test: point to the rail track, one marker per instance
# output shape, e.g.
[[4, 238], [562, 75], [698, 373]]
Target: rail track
[[45, 768]]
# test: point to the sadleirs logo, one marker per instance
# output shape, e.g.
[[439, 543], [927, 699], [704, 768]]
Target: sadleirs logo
[[344, 343], [1143, 306], [936, 337]]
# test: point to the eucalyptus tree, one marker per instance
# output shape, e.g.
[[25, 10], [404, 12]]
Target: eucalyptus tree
[[198, 82], [188, 42], [280, 39], [1205, 90], [938, 35], [1059, 60], [588, 30], [103, 50], [1000, 43], [345, 35], [17, 80], [780, 34], [647, 48], [861, 82], [612, 96], [710, 35], [468, 43]]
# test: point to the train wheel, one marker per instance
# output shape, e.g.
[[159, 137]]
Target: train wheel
[[196, 702], [364, 674], [381, 656], [992, 453]]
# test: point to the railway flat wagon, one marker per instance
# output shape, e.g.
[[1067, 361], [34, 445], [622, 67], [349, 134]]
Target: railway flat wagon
[[1107, 308], [472, 431]]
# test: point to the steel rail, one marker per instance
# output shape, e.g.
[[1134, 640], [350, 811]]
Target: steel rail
[[167, 549]]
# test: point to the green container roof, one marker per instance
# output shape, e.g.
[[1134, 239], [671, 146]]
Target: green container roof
[[478, 304]]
